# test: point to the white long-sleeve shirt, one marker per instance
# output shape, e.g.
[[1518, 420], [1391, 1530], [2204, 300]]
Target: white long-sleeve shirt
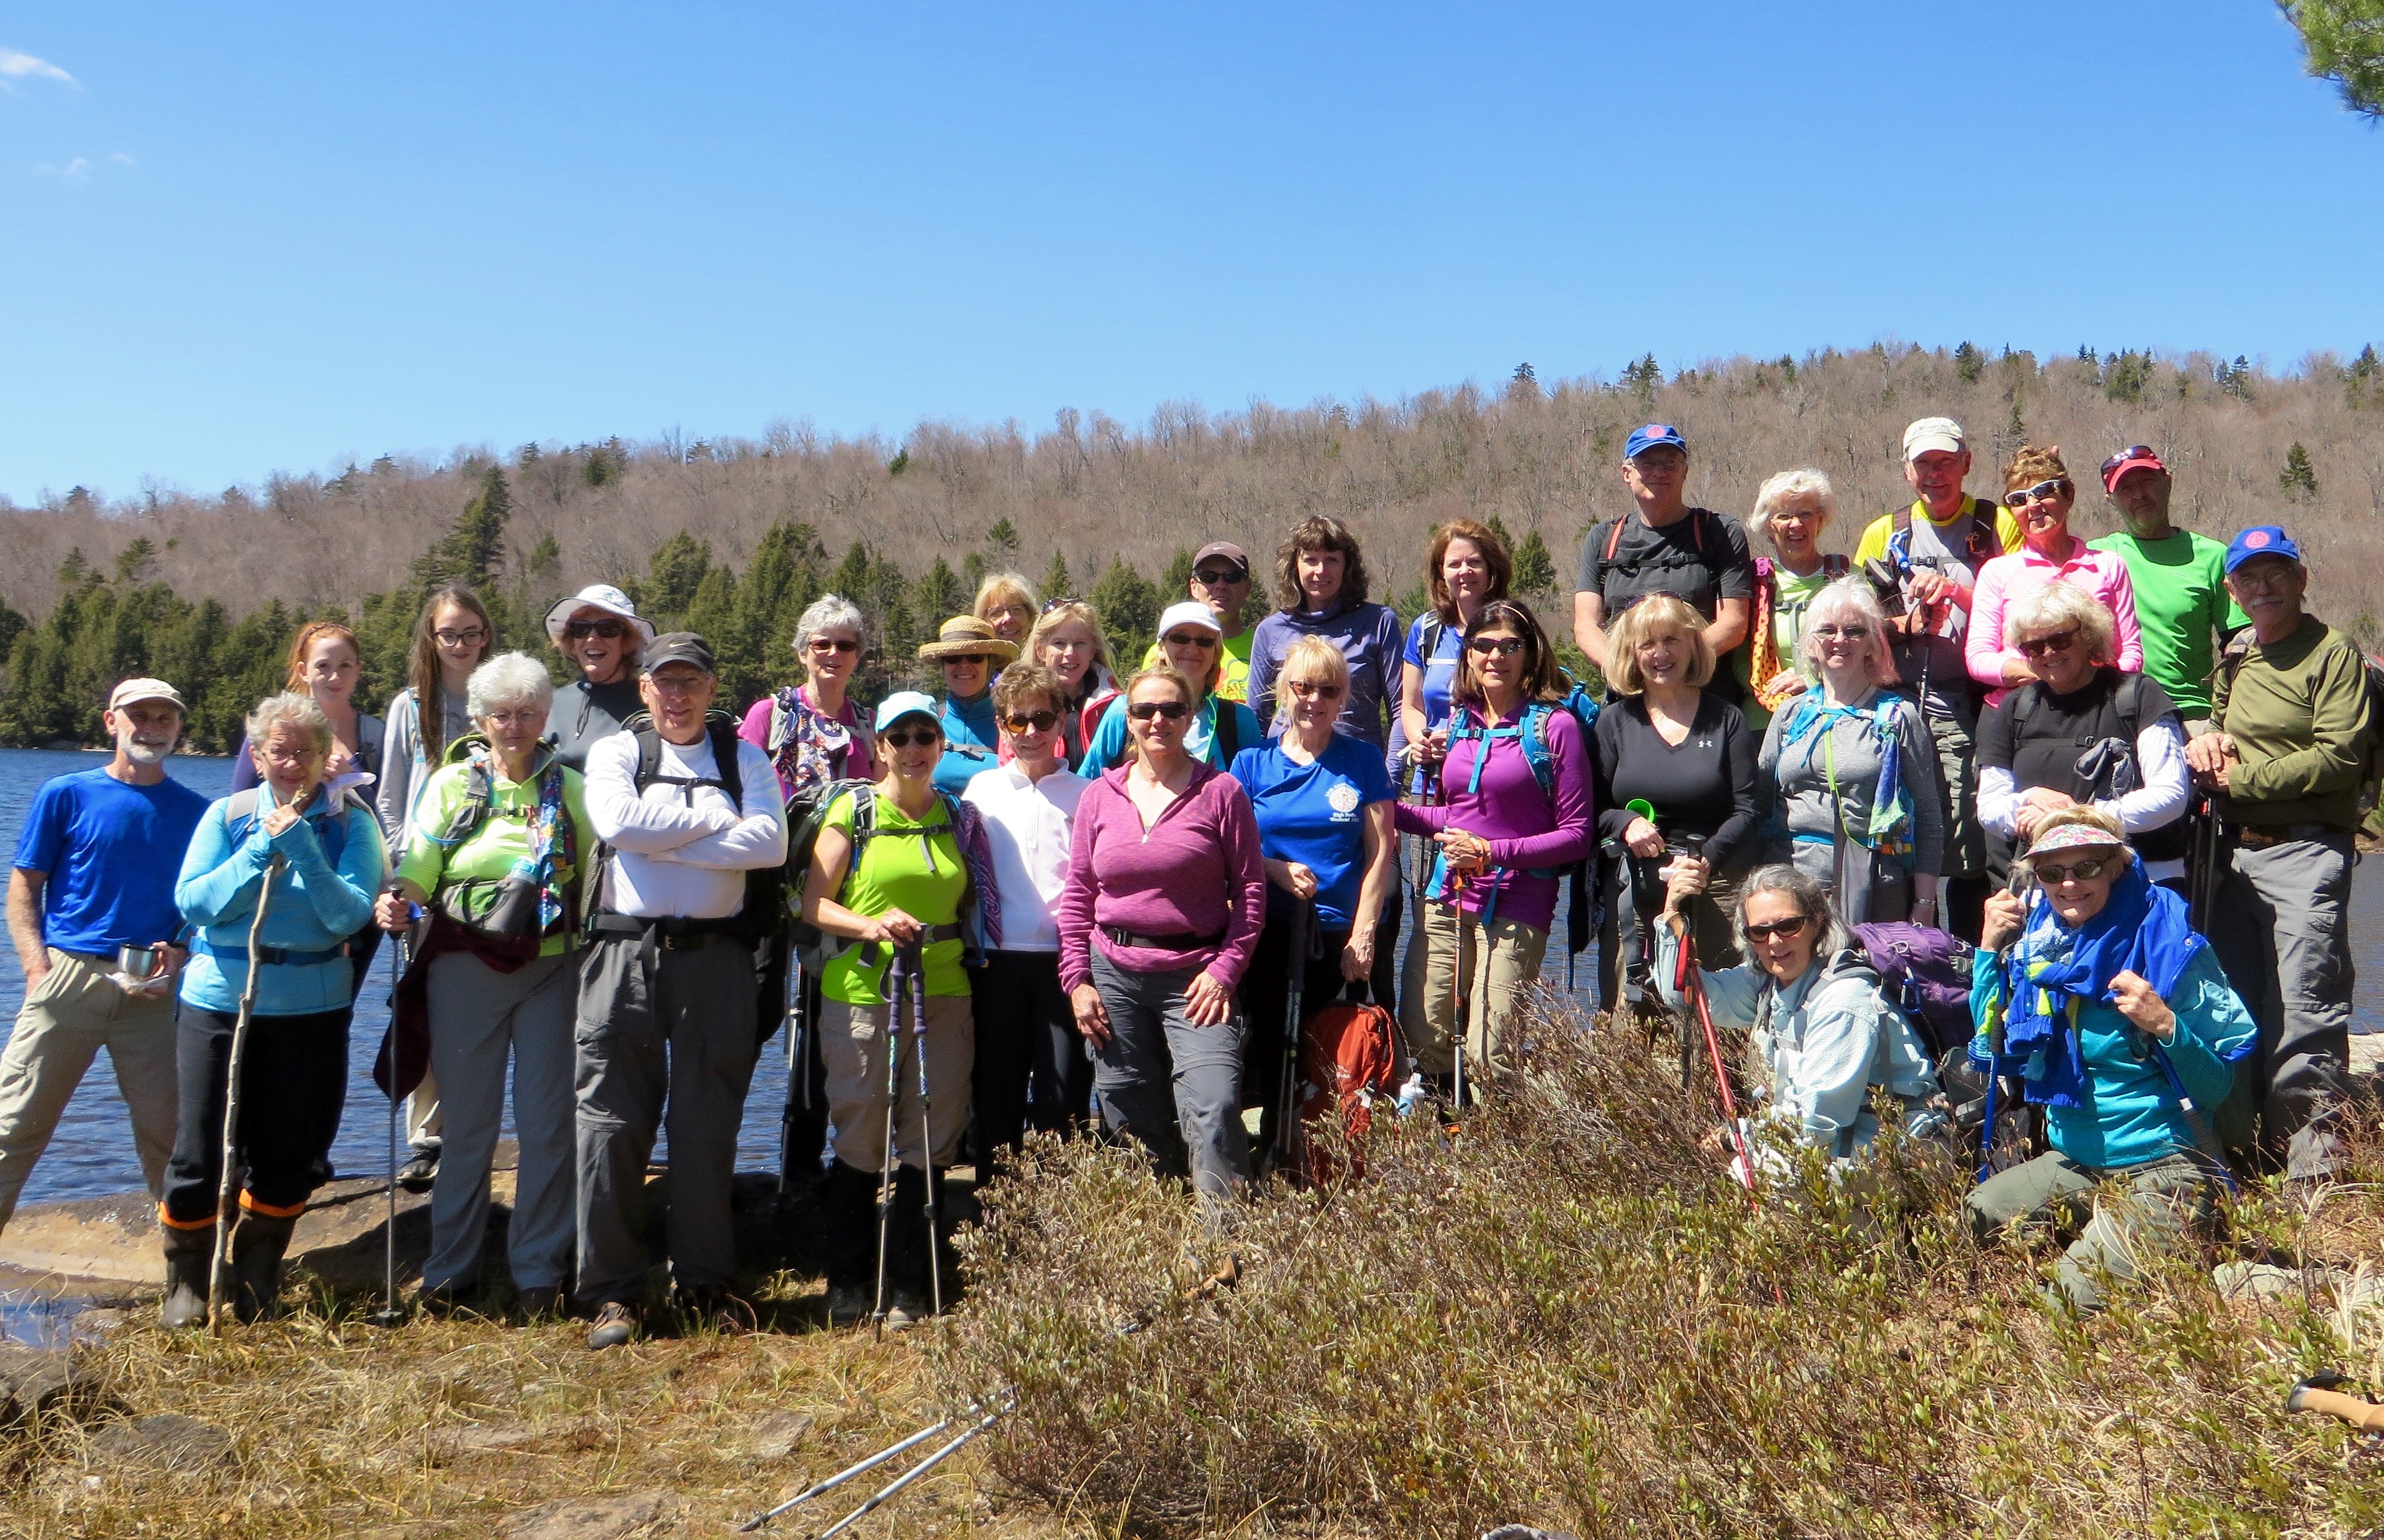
[[1029, 826], [681, 851], [2160, 800]]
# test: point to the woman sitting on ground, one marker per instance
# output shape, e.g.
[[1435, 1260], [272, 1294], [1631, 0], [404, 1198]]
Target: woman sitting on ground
[[1067, 640], [501, 840], [1194, 644], [2112, 1010], [1824, 1035], [1855, 770]]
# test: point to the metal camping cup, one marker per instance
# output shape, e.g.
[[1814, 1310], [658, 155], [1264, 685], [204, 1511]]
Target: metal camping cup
[[141, 963]]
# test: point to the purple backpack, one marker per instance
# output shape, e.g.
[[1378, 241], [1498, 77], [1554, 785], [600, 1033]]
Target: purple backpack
[[1927, 972]]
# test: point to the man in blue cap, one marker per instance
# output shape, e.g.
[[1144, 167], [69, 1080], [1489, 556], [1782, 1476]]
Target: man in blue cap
[[2291, 724], [1663, 546]]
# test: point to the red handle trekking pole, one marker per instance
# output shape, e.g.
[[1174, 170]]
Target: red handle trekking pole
[[1686, 980]]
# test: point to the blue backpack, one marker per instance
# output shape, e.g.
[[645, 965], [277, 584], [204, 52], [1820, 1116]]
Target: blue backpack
[[1581, 916]]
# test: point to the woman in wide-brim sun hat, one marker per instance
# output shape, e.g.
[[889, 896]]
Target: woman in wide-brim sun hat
[[970, 654], [602, 634]]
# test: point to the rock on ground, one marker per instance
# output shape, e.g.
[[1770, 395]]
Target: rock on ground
[[613, 1517]]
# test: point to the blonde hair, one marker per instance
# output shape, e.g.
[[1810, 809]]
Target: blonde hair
[[1000, 586], [1631, 630], [1166, 672], [2086, 817], [2030, 464], [2057, 606], [1059, 614], [1789, 486], [1312, 657], [1852, 597]]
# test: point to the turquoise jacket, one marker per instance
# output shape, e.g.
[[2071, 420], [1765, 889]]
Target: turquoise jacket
[[2133, 1116], [971, 740], [316, 906], [1108, 741]]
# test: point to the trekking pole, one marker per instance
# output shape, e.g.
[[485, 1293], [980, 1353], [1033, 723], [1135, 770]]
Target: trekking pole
[[2015, 885], [2321, 1393], [1286, 1123], [829, 1484], [894, 1488], [886, 1162], [915, 976], [1688, 980], [799, 1085], [388, 1314], [220, 1270], [1458, 1025]]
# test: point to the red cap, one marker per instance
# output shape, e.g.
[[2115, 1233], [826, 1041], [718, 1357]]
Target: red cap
[[2118, 465]]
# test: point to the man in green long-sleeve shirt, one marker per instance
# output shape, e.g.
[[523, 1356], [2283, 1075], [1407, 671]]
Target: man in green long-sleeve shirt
[[2291, 724]]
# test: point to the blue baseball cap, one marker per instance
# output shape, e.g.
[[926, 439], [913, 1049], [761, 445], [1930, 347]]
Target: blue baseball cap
[[1651, 436], [908, 703], [2261, 539]]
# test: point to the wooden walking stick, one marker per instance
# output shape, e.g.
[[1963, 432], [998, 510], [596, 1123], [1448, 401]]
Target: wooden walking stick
[[220, 1270]]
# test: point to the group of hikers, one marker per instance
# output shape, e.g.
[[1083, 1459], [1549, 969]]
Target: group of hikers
[[2115, 782]]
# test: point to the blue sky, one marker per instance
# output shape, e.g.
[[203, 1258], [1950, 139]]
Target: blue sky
[[275, 236]]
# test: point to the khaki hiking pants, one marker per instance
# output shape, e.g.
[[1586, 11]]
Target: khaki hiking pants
[[2164, 1199], [68, 1017], [1455, 953]]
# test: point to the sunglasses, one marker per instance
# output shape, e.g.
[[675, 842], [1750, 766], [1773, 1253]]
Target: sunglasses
[[611, 630], [1032, 722], [1218, 577], [1505, 647], [2050, 874], [1310, 689], [2059, 641], [474, 637], [902, 738], [1842, 633], [1794, 925], [1201, 639], [2133, 452], [1143, 711], [834, 644], [2044, 491], [964, 659]]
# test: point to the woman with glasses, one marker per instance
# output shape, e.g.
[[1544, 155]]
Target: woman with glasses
[[1067, 640], [1193, 644], [1166, 895], [1825, 1036], [2100, 996], [1323, 802], [1221, 579], [1006, 602], [2040, 496], [598, 631], [813, 732], [1516, 780], [2080, 734], [1854, 771], [1027, 1046], [969, 654], [1465, 567], [1790, 510]]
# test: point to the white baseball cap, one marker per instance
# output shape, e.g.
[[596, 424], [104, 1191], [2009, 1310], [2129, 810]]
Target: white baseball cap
[[598, 596], [1931, 436], [1190, 612], [131, 690]]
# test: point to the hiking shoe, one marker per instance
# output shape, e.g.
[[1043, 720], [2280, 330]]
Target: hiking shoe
[[907, 1311], [716, 1309], [539, 1301], [616, 1325], [848, 1304], [417, 1174]]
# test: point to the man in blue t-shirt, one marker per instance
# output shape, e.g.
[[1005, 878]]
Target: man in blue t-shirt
[[94, 874]]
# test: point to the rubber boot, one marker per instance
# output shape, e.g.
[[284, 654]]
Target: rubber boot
[[258, 1247], [189, 1254]]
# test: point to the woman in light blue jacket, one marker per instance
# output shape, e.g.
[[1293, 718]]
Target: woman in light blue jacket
[[1824, 1034], [323, 857]]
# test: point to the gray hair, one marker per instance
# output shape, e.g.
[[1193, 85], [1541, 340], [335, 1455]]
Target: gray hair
[[1791, 486], [508, 679], [1812, 901], [296, 708], [828, 612], [2057, 606], [1851, 598]]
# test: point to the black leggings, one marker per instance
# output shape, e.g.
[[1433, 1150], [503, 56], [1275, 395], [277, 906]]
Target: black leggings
[[293, 1084], [1266, 999], [1025, 1036]]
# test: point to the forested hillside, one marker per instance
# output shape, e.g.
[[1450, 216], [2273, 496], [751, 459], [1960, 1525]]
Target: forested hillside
[[733, 536]]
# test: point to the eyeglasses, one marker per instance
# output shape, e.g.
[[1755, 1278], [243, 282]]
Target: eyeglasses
[[1218, 577], [1792, 925], [1201, 639], [1505, 647], [1032, 722], [1143, 711], [834, 644], [2059, 641], [514, 718], [679, 684], [1842, 633], [472, 638], [1314, 688], [2044, 491], [611, 630], [2133, 452], [2049, 873], [902, 738], [964, 659]]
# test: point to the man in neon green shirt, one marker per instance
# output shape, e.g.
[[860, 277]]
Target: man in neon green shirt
[[1221, 579], [2180, 583]]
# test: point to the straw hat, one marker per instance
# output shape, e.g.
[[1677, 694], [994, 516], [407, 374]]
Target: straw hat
[[964, 635]]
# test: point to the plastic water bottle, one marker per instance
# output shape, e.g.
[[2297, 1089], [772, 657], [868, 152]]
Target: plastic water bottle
[[1411, 1093]]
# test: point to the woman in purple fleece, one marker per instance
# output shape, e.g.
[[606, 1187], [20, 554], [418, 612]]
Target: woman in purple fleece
[[1517, 776], [1166, 893]]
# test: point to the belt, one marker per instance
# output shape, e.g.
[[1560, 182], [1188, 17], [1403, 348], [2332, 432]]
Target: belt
[[671, 932], [870, 953], [273, 957], [2260, 837], [1179, 941]]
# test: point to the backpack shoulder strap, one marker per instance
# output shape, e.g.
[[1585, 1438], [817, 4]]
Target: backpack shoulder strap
[[1983, 545], [1536, 751], [1900, 521], [1698, 518], [650, 754], [1836, 564], [1614, 535], [724, 746], [1229, 732], [1428, 640]]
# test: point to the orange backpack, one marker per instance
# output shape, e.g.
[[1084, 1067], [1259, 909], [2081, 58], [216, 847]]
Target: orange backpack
[[1349, 1055]]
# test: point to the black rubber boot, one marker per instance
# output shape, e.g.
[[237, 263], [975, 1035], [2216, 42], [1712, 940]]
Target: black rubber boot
[[189, 1253], [258, 1247], [849, 1231]]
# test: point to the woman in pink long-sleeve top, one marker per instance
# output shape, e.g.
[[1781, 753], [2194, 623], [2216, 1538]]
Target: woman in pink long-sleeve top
[[2040, 493], [1166, 894]]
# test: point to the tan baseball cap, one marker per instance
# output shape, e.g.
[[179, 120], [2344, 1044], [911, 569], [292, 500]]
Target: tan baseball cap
[[131, 690], [1933, 436]]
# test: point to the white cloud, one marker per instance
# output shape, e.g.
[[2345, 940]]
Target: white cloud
[[15, 66], [76, 169], [121, 158]]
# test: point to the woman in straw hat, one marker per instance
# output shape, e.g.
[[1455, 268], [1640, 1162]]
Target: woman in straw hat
[[969, 653]]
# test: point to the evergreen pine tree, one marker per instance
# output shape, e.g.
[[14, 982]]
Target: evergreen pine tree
[[1535, 571], [1057, 584], [1004, 536], [673, 572], [1178, 584], [1128, 604], [2299, 478]]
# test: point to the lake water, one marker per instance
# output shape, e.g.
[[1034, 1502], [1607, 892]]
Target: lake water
[[91, 1154]]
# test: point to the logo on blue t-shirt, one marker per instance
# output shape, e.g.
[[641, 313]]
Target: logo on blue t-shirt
[[1343, 799]]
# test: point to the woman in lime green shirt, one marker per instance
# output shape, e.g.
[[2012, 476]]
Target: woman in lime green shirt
[[500, 843], [890, 887]]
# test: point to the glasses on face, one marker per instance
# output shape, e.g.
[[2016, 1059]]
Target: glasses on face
[[2051, 874], [902, 738], [2059, 641], [965, 659], [1032, 722], [834, 644], [474, 637], [1317, 689], [1143, 711], [1842, 633], [2044, 491], [1503, 647], [511, 719], [611, 630], [2133, 452], [1792, 925], [1201, 639], [1220, 576], [679, 684]]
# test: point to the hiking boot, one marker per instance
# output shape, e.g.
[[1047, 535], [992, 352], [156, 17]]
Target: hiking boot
[[716, 1309], [907, 1311], [189, 1255], [447, 1298], [848, 1304], [417, 1173], [616, 1325], [259, 1243], [539, 1301]]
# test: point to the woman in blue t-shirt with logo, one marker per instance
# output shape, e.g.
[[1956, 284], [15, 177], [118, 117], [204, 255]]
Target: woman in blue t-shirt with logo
[[1324, 806]]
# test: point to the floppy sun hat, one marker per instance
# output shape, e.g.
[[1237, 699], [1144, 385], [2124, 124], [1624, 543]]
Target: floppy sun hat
[[963, 636], [2072, 836], [598, 596]]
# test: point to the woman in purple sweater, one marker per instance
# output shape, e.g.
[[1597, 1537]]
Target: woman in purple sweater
[[1166, 893], [1517, 776]]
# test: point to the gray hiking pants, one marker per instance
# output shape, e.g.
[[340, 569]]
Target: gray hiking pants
[[676, 1026], [2164, 1198], [2301, 895], [1174, 1086]]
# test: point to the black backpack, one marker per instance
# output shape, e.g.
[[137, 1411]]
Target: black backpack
[[765, 886], [815, 949]]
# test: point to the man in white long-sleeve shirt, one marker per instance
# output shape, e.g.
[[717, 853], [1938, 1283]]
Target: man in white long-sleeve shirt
[[667, 994]]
